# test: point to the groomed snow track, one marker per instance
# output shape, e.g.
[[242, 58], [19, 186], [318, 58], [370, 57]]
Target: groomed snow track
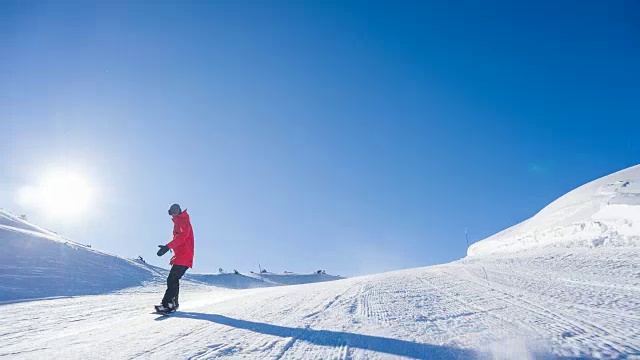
[[518, 307]]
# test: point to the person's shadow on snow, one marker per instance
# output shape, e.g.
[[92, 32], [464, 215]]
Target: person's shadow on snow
[[336, 338], [339, 338]]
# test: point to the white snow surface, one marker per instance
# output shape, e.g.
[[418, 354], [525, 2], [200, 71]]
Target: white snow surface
[[546, 304], [604, 212], [564, 295]]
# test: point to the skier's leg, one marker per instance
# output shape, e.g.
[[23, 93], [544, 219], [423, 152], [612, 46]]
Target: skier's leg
[[176, 303], [172, 283], [180, 273]]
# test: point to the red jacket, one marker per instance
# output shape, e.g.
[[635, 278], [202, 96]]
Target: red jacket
[[182, 243]]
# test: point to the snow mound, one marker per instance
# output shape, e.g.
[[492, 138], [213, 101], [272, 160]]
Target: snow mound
[[251, 281], [37, 263], [295, 279], [602, 213]]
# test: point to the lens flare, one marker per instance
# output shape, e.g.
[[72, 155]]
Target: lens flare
[[59, 194]]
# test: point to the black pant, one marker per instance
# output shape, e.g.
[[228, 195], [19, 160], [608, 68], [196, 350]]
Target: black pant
[[173, 285]]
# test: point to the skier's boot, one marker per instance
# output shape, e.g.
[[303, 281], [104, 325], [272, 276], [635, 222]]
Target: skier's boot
[[176, 305], [167, 309]]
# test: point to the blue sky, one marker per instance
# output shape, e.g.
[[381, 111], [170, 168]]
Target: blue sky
[[355, 137]]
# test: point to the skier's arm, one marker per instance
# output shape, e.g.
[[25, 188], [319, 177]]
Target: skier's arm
[[179, 237]]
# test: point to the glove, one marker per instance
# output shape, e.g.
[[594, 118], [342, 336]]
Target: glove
[[163, 249]]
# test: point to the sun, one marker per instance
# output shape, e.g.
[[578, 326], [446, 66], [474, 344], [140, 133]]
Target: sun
[[63, 194]]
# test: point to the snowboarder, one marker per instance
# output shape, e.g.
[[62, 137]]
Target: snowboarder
[[182, 246]]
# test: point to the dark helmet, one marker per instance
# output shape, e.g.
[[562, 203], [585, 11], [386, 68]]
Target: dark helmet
[[175, 210]]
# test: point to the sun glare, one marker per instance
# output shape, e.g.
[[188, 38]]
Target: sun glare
[[60, 194]]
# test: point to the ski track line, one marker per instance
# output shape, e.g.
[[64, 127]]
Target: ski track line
[[396, 309], [215, 350], [134, 327], [370, 304], [481, 284], [614, 316], [502, 320], [193, 336], [292, 348], [453, 296], [539, 308], [113, 326], [614, 287], [314, 316], [287, 346], [80, 310], [621, 314], [325, 306], [219, 332], [216, 331], [559, 318], [16, 353]]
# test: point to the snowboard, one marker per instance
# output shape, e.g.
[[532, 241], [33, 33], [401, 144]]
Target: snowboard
[[161, 312]]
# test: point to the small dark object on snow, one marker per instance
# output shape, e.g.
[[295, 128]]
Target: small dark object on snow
[[236, 272], [263, 271]]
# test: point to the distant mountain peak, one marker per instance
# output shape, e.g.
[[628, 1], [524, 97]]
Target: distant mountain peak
[[604, 212]]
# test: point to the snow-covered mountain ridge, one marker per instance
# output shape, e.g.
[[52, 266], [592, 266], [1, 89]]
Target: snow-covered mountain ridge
[[602, 213]]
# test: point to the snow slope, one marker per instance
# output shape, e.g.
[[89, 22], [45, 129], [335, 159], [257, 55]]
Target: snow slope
[[604, 212], [542, 305], [38, 263], [548, 288]]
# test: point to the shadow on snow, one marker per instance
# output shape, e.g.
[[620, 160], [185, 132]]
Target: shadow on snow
[[338, 338]]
